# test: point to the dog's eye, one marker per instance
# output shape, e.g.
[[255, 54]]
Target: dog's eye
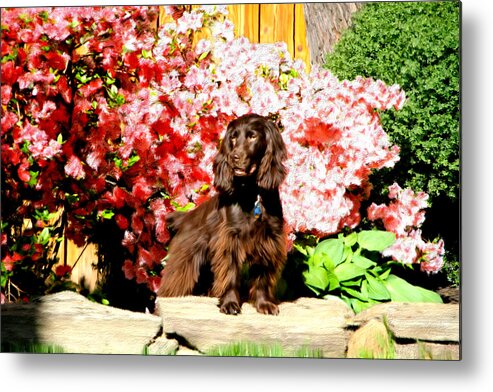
[[252, 136]]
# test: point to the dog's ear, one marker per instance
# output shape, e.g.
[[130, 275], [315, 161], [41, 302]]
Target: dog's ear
[[271, 172], [223, 172]]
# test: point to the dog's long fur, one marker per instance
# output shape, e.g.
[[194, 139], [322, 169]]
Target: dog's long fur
[[214, 242]]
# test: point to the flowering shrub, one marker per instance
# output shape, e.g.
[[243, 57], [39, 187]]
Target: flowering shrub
[[108, 120], [403, 216]]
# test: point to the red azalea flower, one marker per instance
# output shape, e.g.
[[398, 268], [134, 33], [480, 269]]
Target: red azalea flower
[[23, 172], [122, 222], [63, 270]]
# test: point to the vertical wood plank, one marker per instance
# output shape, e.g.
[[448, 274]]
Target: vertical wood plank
[[301, 49], [83, 272], [245, 17], [277, 24]]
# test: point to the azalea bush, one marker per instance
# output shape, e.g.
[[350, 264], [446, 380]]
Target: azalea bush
[[113, 124]]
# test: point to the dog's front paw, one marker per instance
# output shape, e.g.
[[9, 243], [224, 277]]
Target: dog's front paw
[[267, 307], [230, 307]]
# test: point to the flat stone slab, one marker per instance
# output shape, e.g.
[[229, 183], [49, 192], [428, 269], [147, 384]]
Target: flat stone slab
[[418, 321], [194, 326], [75, 324], [307, 323]]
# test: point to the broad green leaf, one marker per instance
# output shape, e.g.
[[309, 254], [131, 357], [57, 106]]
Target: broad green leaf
[[351, 239], [326, 262], [347, 271], [347, 255], [375, 240], [381, 272], [316, 278], [376, 289], [356, 304], [316, 260], [333, 249], [355, 293], [354, 282], [402, 291], [333, 281], [363, 262]]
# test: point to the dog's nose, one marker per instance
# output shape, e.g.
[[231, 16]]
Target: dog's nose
[[236, 158]]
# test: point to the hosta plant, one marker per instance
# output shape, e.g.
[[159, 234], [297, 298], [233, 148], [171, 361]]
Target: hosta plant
[[352, 267]]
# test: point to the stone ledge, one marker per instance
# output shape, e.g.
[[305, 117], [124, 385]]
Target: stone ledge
[[307, 323], [194, 326], [77, 325]]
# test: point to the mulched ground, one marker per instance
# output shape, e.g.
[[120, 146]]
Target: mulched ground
[[449, 294]]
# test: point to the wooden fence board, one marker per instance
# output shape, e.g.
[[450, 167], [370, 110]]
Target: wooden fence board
[[245, 17], [277, 24], [301, 49]]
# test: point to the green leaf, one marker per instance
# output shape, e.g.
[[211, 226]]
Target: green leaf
[[203, 55], [185, 208], [106, 214], [363, 262], [113, 91], [333, 281], [402, 291], [146, 54], [354, 282], [347, 254], [316, 278], [34, 178], [376, 289], [317, 260], [382, 272], [4, 276], [348, 271], [355, 293], [332, 249], [356, 304], [132, 160], [351, 239], [44, 236], [375, 240]]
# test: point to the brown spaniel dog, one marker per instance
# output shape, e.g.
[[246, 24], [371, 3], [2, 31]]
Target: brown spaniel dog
[[241, 226]]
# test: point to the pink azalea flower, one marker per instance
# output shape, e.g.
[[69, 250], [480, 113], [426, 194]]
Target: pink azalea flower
[[74, 168]]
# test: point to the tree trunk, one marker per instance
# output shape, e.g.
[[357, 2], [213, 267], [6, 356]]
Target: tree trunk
[[325, 23]]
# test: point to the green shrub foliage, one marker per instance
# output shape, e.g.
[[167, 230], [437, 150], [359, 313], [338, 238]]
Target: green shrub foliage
[[414, 44]]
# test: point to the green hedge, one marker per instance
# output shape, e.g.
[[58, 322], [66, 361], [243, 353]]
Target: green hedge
[[416, 45]]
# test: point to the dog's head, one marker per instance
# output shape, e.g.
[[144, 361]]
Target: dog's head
[[252, 146]]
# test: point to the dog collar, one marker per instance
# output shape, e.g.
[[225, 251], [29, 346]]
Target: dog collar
[[257, 208]]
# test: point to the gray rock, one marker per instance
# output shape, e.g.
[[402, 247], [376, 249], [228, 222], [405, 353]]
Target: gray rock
[[77, 325], [419, 321], [308, 323], [163, 346]]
